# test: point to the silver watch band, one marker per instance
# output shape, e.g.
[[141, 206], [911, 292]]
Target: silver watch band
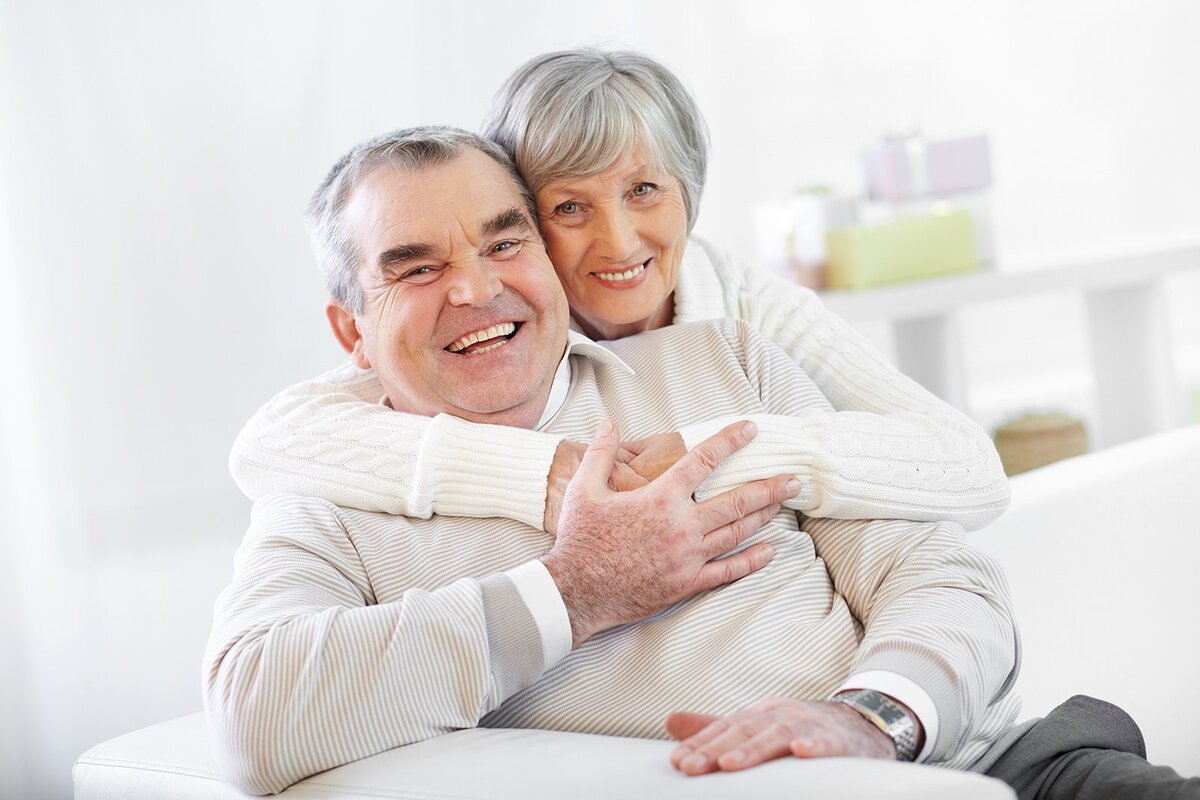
[[886, 714]]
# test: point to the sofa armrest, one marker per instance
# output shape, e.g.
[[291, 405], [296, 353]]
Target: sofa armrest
[[1101, 553], [173, 759]]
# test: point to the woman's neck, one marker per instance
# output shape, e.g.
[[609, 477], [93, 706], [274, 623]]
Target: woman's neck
[[605, 331]]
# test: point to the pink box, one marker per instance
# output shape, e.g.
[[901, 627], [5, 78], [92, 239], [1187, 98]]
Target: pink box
[[913, 166]]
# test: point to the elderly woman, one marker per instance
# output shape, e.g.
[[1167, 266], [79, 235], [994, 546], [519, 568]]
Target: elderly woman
[[615, 151]]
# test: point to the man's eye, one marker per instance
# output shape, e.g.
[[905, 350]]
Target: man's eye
[[419, 275], [501, 247], [567, 208]]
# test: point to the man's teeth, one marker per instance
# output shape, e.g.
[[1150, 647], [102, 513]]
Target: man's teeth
[[622, 276], [503, 329]]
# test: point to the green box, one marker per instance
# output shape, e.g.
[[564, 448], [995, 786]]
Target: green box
[[909, 248]]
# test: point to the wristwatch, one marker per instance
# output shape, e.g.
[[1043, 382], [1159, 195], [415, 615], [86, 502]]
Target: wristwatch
[[886, 714]]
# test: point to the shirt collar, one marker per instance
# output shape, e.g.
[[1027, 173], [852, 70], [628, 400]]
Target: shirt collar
[[581, 345]]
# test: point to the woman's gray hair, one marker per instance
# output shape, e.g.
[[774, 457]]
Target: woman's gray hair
[[577, 112], [409, 149]]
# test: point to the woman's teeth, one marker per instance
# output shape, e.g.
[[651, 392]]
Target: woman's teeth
[[496, 331], [622, 276]]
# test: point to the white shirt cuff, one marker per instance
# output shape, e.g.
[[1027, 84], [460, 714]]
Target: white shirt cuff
[[540, 594], [900, 688]]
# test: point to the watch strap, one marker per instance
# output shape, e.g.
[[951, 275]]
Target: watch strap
[[886, 714]]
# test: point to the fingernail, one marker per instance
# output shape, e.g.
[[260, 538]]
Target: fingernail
[[792, 487], [694, 761], [736, 756], [604, 428], [749, 431]]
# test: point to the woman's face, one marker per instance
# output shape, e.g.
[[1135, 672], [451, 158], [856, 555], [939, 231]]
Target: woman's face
[[616, 239]]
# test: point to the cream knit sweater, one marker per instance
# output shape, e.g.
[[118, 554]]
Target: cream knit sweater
[[891, 450]]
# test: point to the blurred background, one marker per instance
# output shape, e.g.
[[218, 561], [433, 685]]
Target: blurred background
[[157, 285]]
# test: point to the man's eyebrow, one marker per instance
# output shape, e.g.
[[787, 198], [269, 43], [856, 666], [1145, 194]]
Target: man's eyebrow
[[403, 252], [512, 219]]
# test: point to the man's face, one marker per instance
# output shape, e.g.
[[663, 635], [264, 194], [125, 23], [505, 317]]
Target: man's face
[[463, 311]]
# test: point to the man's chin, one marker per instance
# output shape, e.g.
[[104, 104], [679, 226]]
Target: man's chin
[[524, 414]]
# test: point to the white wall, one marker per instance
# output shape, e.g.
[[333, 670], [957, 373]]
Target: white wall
[[155, 158]]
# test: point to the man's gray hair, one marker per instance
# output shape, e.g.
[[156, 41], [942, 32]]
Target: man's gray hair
[[409, 150], [577, 112]]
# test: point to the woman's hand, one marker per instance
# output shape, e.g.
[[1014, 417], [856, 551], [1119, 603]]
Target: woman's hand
[[638, 463], [654, 455]]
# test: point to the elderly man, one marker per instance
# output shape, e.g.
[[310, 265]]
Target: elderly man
[[345, 633]]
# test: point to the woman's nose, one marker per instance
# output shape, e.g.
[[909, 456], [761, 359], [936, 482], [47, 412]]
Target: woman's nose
[[474, 284], [616, 233]]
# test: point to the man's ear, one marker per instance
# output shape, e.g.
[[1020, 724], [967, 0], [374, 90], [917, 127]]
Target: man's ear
[[345, 330]]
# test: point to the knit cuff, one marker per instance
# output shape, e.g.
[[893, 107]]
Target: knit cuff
[[481, 470]]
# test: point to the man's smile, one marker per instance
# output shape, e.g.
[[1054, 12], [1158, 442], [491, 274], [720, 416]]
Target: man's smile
[[485, 340]]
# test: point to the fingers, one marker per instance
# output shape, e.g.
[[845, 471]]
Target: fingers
[[624, 478], [691, 470], [598, 459], [737, 742], [812, 746], [729, 569], [727, 537], [683, 724], [735, 504]]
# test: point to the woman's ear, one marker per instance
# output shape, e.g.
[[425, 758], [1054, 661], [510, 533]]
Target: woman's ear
[[345, 330]]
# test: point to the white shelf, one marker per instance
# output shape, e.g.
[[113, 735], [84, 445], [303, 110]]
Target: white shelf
[[925, 298], [1125, 298]]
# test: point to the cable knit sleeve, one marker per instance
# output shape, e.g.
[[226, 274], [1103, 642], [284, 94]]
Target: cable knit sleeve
[[891, 449], [331, 438]]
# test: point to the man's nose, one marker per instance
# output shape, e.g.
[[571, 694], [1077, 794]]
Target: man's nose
[[474, 283], [617, 233]]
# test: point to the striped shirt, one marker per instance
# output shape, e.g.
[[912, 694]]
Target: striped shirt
[[346, 632]]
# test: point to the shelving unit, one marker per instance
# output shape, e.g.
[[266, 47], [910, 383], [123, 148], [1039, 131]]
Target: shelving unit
[[1125, 297]]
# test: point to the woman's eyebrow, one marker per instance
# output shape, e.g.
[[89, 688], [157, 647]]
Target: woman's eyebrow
[[511, 219]]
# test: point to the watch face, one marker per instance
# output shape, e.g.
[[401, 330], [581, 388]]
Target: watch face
[[889, 712]]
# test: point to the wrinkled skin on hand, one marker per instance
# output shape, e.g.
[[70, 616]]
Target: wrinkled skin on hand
[[770, 729], [621, 556]]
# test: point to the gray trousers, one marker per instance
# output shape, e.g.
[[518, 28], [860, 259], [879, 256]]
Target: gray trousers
[[1087, 749]]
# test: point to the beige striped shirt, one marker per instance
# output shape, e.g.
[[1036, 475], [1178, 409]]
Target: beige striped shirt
[[345, 632]]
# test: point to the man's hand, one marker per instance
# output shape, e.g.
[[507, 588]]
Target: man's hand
[[622, 556], [771, 729]]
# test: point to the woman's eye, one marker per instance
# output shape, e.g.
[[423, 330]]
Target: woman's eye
[[643, 189], [567, 208]]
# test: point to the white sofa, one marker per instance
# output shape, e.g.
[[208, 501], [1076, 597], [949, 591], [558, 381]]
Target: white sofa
[[1100, 551], [1102, 554]]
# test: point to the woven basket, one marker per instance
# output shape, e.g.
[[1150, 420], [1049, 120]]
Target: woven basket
[[1036, 440]]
